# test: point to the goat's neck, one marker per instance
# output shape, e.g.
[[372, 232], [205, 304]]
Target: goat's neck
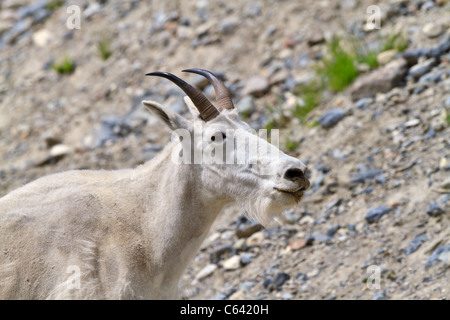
[[180, 211]]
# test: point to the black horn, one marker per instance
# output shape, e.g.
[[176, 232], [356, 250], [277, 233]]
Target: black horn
[[204, 106], [223, 96]]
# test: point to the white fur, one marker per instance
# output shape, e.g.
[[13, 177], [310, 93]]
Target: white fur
[[131, 233]]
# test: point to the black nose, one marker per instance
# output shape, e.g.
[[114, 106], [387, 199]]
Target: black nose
[[297, 175]]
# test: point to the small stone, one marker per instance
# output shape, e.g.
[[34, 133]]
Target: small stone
[[445, 184], [268, 283], [256, 86], [415, 244], [297, 244], [51, 141], [280, 279], [412, 123], [302, 277], [232, 263], [366, 175], [443, 163], [331, 117], [238, 295], [240, 244], [373, 215], [247, 229], [323, 238], [364, 102], [432, 30], [279, 77], [246, 258], [228, 25], [206, 272], [447, 102], [380, 80], [386, 56], [314, 38], [42, 38], [332, 230], [255, 239], [313, 273], [380, 295], [287, 296], [420, 69], [435, 210], [308, 220], [440, 254], [60, 150], [221, 252], [246, 105]]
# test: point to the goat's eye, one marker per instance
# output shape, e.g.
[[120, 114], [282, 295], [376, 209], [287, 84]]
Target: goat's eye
[[213, 138]]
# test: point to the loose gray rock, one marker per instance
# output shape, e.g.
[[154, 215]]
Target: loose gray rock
[[331, 117], [256, 86], [380, 80], [373, 215], [206, 271], [232, 263], [366, 175], [421, 68], [246, 105], [435, 210], [432, 30], [280, 279], [363, 103], [440, 254], [246, 230], [415, 244], [380, 295]]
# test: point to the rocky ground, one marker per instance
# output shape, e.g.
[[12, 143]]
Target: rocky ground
[[378, 152]]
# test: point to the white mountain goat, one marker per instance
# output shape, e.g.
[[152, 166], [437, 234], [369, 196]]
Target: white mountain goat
[[130, 234]]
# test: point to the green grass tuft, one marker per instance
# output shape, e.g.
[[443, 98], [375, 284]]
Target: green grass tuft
[[311, 94], [104, 49], [339, 68], [53, 5], [394, 41], [291, 145], [67, 65]]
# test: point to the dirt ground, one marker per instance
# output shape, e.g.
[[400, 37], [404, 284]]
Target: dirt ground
[[383, 155]]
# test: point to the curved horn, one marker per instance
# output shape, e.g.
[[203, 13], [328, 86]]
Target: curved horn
[[223, 96], [204, 106]]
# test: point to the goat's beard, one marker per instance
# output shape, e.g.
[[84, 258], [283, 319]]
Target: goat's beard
[[262, 210]]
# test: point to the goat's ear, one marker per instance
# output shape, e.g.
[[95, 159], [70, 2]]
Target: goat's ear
[[192, 108], [172, 119]]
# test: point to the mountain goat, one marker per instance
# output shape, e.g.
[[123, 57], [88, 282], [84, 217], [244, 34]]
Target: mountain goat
[[130, 234]]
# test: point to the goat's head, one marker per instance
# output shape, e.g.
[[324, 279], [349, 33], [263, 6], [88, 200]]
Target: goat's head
[[235, 163]]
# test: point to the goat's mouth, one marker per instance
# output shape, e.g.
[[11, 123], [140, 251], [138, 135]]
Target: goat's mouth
[[295, 192]]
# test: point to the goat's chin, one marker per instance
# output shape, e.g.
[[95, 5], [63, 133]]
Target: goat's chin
[[267, 210]]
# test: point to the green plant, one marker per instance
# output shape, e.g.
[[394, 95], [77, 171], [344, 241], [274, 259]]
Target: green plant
[[448, 119], [104, 48], [67, 65], [339, 68], [276, 119], [369, 58], [394, 41], [311, 96], [53, 5], [291, 145]]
